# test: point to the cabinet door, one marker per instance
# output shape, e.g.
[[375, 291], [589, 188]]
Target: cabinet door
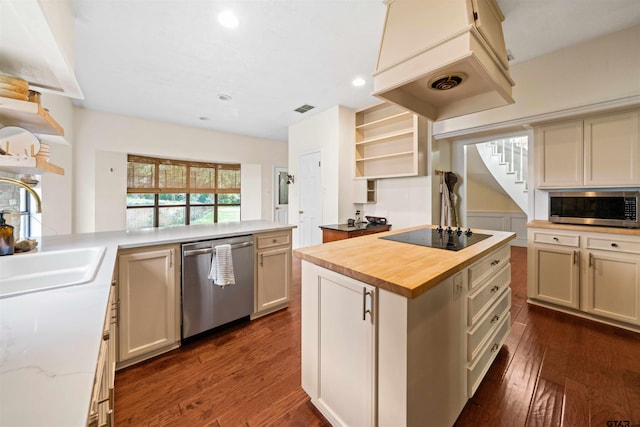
[[611, 150], [559, 155], [613, 286], [556, 275], [346, 351], [147, 291], [274, 267]]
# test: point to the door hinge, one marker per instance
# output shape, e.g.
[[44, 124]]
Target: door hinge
[[319, 163], [475, 16]]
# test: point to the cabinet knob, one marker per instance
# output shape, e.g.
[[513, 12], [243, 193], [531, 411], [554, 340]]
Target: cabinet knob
[[495, 319], [300, 212], [495, 262], [494, 348], [615, 245], [495, 289], [274, 241], [555, 239]]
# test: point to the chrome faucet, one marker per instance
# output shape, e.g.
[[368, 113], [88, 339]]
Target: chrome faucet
[[26, 187]]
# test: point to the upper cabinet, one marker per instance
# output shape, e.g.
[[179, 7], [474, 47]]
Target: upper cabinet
[[603, 151], [390, 142], [38, 45]]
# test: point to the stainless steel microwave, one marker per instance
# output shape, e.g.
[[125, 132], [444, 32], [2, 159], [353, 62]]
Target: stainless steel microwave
[[608, 208]]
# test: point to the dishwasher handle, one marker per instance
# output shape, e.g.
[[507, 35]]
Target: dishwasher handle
[[210, 250]]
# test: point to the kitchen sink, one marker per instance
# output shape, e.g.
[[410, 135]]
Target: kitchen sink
[[41, 271]]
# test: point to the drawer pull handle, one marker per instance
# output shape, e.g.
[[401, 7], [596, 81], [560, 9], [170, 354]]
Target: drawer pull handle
[[590, 259], [495, 319], [615, 245], [366, 309], [495, 262], [494, 348], [274, 241], [555, 239], [575, 257], [495, 289]]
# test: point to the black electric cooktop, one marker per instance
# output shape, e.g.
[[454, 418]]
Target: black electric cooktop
[[439, 238]]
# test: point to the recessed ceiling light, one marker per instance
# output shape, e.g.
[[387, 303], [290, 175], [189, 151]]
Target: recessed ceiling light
[[228, 19], [358, 81], [224, 97]]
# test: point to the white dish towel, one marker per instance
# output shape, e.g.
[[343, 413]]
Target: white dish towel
[[222, 266]]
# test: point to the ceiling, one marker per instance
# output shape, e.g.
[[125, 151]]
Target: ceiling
[[170, 60]]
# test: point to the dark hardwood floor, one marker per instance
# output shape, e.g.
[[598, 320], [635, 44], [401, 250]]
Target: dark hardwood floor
[[554, 370]]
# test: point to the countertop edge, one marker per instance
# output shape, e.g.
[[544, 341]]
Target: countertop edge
[[538, 223], [394, 287]]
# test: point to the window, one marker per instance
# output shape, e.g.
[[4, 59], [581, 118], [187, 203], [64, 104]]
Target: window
[[164, 193]]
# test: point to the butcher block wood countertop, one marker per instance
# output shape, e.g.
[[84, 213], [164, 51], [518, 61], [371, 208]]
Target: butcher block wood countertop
[[402, 268]]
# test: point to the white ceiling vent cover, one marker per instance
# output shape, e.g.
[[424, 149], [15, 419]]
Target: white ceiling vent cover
[[456, 45]]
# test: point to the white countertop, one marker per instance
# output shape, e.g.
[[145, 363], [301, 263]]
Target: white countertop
[[49, 340]]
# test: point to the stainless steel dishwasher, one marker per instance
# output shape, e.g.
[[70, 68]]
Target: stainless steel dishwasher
[[206, 305]]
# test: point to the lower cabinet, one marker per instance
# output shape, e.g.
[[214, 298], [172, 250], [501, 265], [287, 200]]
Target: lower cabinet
[[488, 313], [102, 401], [612, 287], [373, 357], [596, 275], [149, 302], [339, 346], [273, 271], [555, 268]]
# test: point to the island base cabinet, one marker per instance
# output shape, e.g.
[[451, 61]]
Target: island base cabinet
[[371, 357], [149, 303], [422, 379], [339, 346]]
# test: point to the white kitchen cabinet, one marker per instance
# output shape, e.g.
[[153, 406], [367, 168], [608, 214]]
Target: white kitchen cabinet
[[612, 155], [391, 142], [339, 346], [149, 302], [612, 279], [595, 152], [559, 155], [593, 274], [555, 268], [102, 402], [273, 272], [487, 313]]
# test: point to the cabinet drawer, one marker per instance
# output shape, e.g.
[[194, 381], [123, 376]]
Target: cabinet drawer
[[613, 244], [485, 327], [477, 371], [487, 294], [488, 265], [557, 239], [271, 240]]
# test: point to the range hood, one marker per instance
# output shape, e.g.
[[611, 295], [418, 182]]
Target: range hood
[[443, 59]]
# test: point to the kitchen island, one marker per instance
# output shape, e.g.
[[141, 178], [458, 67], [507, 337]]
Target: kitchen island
[[397, 334], [50, 340]]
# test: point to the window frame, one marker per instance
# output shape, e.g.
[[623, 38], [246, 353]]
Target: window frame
[[187, 190]]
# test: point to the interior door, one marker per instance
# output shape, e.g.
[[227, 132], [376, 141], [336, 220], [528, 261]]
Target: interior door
[[310, 209], [281, 192]]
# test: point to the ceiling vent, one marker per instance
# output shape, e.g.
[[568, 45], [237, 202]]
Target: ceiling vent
[[304, 108], [443, 59]]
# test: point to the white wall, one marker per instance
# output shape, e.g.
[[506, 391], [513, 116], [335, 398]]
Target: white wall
[[405, 202], [57, 190], [97, 132], [332, 133], [593, 72]]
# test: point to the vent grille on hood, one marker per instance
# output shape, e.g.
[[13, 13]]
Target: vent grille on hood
[[443, 59]]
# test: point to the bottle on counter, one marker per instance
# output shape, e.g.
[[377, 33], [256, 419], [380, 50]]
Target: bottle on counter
[[6, 237]]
